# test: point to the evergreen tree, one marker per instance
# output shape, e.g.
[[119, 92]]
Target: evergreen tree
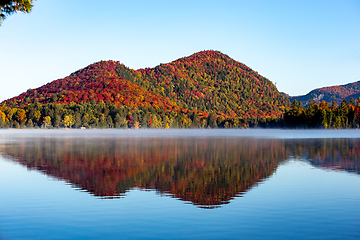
[[78, 122], [29, 124]]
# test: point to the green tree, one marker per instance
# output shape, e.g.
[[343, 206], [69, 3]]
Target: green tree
[[85, 120], [343, 113], [29, 124], [120, 121], [102, 122], [212, 120], [156, 123], [109, 121], [56, 120], [8, 7], [37, 116], [324, 118], [77, 120], [352, 101]]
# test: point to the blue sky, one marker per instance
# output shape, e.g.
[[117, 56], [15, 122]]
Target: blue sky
[[299, 45]]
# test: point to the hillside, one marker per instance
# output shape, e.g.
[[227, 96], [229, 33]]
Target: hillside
[[206, 89], [96, 82], [332, 93], [212, 81]]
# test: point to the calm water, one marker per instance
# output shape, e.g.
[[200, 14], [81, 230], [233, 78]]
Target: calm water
[[180, 184]]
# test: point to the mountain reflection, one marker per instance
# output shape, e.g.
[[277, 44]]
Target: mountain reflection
[[335, 154], [207, 172]]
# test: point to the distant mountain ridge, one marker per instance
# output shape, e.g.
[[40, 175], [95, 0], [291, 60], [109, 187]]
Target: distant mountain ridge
[[207, 81], [332, 93]]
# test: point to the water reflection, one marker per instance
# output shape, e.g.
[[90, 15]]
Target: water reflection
[[329, 153], [206, 172]]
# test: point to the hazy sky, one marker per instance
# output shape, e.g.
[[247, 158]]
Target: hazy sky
[[299, 45]]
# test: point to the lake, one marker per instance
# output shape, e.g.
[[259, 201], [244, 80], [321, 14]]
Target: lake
[[180, 184]]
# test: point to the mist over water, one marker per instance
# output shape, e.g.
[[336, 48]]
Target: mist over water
[[146, 133]]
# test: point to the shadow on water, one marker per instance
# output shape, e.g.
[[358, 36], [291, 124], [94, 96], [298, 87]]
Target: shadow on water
[[205, 171]]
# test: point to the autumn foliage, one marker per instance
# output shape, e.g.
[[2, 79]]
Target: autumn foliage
[[206, 89]]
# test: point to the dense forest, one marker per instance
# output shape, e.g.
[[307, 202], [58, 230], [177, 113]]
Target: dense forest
[[212, 81], [101, 115], [207, 81], [205, 90], [323, 115]]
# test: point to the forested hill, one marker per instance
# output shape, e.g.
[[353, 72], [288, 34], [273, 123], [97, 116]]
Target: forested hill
[[97, 82], [332, 93], [212, 81], [206, 89]]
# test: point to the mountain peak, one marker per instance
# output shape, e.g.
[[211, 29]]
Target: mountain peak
[[212, 81]]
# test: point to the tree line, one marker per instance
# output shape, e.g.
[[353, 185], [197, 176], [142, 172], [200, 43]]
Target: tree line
[[100, 115], [323, 115]]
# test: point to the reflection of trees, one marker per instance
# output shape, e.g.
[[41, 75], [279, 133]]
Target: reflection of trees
[[341, 154], [205, 171], [211, 172]]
